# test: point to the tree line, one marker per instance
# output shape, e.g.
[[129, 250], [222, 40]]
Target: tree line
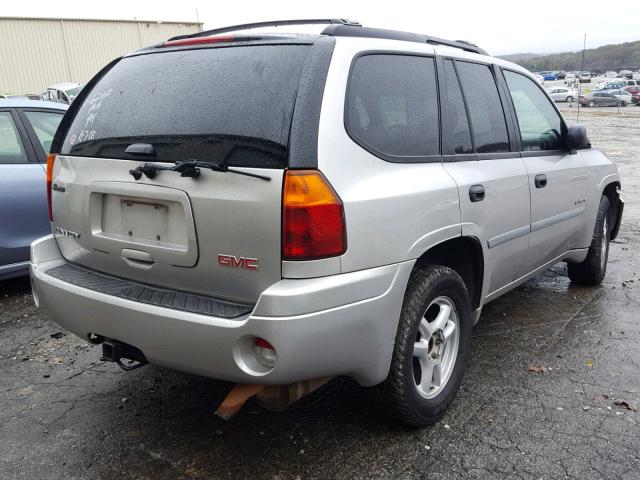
[[624, 56]]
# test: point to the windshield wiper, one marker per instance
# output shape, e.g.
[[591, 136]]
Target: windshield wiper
[[189, 168]]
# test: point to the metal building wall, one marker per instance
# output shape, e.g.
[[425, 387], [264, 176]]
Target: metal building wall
[[36, 53]]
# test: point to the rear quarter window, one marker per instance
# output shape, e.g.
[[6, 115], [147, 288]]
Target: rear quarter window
[[392, 106], [230, 105]]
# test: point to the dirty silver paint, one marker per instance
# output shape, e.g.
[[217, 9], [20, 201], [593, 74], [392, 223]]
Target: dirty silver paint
[[505, 422]]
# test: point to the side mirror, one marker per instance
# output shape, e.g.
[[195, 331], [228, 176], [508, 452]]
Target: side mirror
[[577, 138]]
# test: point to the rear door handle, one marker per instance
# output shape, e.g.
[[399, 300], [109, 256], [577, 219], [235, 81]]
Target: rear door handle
[[540, 180], [476, 193]]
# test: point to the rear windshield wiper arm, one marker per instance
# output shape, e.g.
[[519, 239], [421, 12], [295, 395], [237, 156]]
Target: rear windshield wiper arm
[[189, 168]]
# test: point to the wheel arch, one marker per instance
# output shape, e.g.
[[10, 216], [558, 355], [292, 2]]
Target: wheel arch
[[611, 191], [464, 255]]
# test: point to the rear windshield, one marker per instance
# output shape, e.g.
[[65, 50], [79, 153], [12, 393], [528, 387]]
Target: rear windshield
[[230, 105]]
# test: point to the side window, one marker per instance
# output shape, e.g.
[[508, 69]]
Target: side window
[[45, 125], [11, 148], [455, 125], [541, 127], [485, 108], [392, 106]]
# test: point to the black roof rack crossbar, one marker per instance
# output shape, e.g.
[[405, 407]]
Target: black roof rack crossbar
[[273, 23], [346, 30]]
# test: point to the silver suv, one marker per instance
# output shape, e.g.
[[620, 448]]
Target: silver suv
[[273, 208]]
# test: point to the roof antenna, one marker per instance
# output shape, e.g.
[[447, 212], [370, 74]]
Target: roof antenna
[[584, 46]]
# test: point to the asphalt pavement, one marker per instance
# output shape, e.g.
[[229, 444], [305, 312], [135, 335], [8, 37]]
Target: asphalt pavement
[[551, 391]]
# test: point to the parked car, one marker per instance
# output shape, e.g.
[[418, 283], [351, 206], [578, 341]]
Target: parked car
[[562, 94], [346, 210], [622, 95], [626, 74], [632, 89], [539, 78], [570, 78], [630, 83], [20, 96], [610, 85], [599, 99], [635, 94], [62, 92], [560, 75], [26, 131], [585, 77], [549, 76], [611, 74]]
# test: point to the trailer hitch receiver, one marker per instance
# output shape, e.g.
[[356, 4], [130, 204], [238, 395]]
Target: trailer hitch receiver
[[126, 356]]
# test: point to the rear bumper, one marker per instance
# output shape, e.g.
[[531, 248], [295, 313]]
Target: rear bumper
[[336, 325]]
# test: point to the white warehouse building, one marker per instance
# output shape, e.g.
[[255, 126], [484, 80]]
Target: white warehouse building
[[38, 52]]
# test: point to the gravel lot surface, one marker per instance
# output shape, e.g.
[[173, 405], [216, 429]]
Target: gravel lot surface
[[66, 415]]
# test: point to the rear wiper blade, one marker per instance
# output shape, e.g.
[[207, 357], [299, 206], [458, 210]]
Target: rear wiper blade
[[189, 168]]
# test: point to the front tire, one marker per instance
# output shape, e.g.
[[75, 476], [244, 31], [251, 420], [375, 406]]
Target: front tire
[[591, 103], [431, 348], [592, 270]]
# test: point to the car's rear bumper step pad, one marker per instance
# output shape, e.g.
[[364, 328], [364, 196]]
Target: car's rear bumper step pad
[[138, 292]]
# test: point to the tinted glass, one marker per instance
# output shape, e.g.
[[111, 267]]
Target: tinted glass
[[541, 127], [485, 109], [455, 125], [218, 104], [45, 125], [11, 148], [392, 105]]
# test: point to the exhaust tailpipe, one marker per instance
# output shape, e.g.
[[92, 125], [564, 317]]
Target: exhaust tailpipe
[[271, 397]]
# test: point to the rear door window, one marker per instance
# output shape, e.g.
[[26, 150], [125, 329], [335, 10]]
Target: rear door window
[[488, 122], [392, 106], [456, 136], [541, 127], [231, 104], [11, 147]]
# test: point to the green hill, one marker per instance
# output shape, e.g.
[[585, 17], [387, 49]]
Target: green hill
[[607, 57]]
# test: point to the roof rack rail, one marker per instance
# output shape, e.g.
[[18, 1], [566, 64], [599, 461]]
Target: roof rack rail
[[346, 30], [273, 23]]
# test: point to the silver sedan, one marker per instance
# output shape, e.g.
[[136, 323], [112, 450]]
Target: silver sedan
[[562, 94]]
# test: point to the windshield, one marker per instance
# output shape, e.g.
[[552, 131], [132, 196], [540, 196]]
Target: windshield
[[72, 93], [230, 105]]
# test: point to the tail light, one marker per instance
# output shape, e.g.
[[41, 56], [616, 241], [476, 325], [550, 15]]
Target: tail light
[[313, 223], [50, 161]]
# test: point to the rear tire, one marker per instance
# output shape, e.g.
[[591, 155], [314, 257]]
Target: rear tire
[[569, 99], [592, 270], [431, 348], [591, 103]]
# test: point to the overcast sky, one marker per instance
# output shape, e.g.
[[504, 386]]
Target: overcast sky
[[499, 26]]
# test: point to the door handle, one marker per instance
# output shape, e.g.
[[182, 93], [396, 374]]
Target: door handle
[[476, 193], [540, 180]]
